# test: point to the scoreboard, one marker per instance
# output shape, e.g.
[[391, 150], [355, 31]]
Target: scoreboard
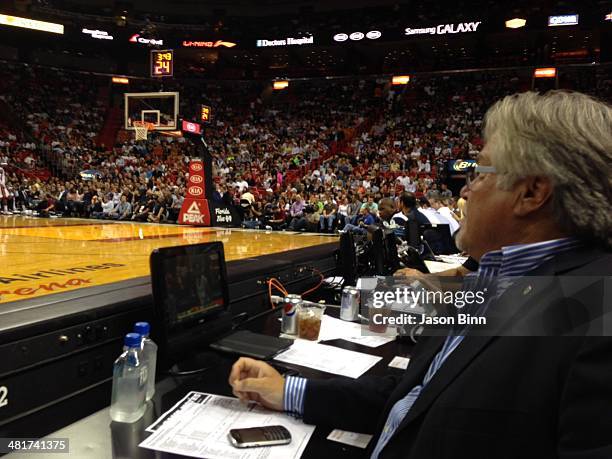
[[162, 63], [205, 114]]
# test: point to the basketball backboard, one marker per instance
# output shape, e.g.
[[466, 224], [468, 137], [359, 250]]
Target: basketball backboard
[[159, 108]]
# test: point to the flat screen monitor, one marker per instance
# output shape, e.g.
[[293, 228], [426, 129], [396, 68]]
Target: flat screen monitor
[[347, 259], [190, 290]]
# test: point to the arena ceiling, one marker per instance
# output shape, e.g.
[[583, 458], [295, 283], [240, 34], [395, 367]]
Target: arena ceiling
[[219, 7]]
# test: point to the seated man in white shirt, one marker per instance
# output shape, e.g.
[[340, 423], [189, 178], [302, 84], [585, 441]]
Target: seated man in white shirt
[[432, 214], [439, 205]]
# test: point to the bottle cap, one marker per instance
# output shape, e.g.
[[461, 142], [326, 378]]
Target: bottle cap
[[142, 327], [132, 340]]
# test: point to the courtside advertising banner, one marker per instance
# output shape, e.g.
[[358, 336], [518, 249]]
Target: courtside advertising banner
[[195, 210]]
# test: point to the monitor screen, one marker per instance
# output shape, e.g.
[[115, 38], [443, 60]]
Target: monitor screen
[[189, 286]]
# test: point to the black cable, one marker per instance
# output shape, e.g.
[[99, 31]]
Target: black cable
[[188, 372], [257, 316]]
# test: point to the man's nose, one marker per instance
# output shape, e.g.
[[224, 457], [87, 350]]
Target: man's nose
[[464, 191]]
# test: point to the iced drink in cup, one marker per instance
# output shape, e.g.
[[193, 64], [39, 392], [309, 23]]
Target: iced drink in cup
[[380, 313], [309, 321]]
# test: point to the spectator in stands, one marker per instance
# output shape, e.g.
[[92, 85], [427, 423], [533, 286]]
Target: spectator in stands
[[366, 218], [96, 207], [432, 214], [4, 193], [327, 218], [297, 208], [408, 210], [106, 208], [123, 210], [441, 206], [46, 206], [158, 211], [445, 192], [142, 214], [386, 211]]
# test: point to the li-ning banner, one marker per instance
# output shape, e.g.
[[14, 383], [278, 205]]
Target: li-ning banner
[[195, 210]]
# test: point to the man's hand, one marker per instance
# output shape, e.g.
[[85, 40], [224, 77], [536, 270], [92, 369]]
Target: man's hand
[[429, 281], [409, 272], [257, 381]]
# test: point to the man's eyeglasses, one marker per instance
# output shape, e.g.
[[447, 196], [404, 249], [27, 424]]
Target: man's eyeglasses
[[477, 171]]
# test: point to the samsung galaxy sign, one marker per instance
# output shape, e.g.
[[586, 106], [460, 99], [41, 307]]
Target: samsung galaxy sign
[[562, 20], [357, 36], [286, 42], [443, 29]]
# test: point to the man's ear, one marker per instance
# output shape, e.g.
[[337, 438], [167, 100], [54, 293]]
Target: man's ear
[[533, 193]]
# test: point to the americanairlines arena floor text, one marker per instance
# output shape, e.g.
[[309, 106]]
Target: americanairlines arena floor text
[[45, 256]]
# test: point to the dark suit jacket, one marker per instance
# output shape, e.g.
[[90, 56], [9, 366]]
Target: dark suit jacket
[[499, 397]]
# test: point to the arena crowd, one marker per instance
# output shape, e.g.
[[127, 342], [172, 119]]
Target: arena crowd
[[317, 157]]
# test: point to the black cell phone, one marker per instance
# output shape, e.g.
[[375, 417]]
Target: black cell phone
[[259, 436]]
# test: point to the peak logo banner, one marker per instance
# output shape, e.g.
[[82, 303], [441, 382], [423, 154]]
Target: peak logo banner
[[195, 210]]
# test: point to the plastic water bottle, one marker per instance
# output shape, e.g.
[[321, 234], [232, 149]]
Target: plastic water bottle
[[149, 355], [129, 382]]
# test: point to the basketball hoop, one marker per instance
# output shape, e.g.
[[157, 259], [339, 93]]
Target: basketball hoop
[[141, 129]]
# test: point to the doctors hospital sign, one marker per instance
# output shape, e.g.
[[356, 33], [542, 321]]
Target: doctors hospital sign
[[444, 29]]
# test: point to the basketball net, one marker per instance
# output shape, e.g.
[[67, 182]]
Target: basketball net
[[141, 129]]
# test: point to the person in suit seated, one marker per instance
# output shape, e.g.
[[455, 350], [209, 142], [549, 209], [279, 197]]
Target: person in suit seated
[[408, 210], [539, 205]]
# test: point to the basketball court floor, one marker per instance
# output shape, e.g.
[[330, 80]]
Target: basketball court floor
[[44, 256]]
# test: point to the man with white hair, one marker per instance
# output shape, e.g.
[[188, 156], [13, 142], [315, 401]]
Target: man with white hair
[[538, 383]]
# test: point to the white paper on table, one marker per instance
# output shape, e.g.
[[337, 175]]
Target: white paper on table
[[328, 358], [334, 280], [198, 426], [453, 259], [399, 362], [332, 328], [350, 438], [437, 266]]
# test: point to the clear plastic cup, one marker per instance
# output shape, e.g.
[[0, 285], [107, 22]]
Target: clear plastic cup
[[309, 321], [381, 313]]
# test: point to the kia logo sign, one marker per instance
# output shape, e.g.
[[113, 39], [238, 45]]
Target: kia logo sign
[[195, 190], [195, 179], [357, 36], [196, 166]]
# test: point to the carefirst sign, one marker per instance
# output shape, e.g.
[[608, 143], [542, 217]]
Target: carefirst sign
[[443, 29], [290, 41]]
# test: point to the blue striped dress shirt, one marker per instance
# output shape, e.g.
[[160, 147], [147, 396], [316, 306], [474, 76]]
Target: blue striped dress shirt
[[510, 261]]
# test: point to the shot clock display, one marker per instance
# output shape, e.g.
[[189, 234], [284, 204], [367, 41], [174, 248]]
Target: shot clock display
[[205, 114], [162, 63]]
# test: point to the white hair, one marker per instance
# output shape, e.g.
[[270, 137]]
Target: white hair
[[567, 137]]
